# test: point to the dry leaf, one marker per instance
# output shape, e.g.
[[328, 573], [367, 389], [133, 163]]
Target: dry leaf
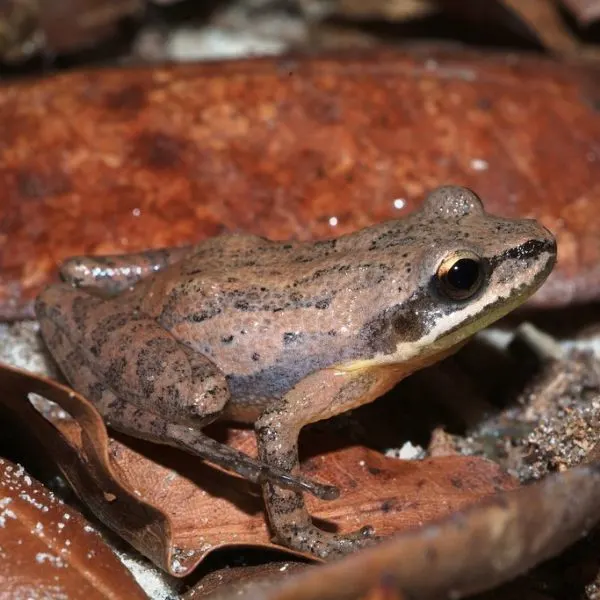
[[174, 509], [117, 160], [49, 550], [467, 552], [390, 494]]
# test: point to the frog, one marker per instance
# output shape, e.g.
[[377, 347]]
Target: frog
[[283, 334]]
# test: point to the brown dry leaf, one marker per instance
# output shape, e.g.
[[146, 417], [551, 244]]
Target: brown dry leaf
[[174, 509], [390, 494], [49, 550], [468, 552], [116, 160]]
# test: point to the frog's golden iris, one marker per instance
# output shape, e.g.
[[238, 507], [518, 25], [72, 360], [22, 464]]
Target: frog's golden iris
[[461, 275]]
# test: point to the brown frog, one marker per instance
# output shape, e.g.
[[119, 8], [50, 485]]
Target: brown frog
[[282, 334]]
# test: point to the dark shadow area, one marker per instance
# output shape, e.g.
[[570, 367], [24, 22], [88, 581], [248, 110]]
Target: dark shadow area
[[558, 322], [444, 29], [19, 446], [240, 556], [493, 27]]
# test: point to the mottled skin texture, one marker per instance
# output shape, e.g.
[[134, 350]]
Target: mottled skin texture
[[282, 334]]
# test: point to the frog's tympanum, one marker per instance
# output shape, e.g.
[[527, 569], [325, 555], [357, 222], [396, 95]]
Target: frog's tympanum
[[282, 334]]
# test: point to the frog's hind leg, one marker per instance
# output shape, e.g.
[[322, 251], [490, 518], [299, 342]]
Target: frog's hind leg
[[138, 359], [143, 382], [319, 396], [117, 272]]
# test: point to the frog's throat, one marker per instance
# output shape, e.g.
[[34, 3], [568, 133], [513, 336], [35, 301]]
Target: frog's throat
[[447, 336]]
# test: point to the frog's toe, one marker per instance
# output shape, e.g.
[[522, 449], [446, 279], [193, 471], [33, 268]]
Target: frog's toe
[[353, 541], [327, 545]]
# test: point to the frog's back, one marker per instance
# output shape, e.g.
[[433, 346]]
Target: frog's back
[[267, 313]]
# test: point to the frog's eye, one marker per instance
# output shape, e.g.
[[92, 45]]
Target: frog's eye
[[460, 275]]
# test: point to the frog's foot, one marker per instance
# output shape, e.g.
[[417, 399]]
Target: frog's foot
[[292, 526], [313, 540]]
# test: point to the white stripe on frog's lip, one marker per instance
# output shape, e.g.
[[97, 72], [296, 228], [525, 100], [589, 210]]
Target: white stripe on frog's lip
[[454, 327]]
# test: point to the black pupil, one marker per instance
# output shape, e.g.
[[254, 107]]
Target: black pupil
[[463, 274]]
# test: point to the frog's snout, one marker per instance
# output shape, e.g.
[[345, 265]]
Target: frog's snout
[[548, 246]]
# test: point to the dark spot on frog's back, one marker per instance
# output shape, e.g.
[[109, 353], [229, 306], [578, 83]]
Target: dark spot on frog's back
[[115, 370], [107, 326], [129, 99], [322, 304], [158, 150], [289, 337]]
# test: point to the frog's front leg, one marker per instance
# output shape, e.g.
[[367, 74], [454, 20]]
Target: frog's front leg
[[143, 381], [115, 273], [319, 396]]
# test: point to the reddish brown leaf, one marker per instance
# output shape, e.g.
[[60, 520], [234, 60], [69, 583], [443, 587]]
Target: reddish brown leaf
[[465, 553], [174, 509], [118, 160], [387, 493], [49, 550]]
